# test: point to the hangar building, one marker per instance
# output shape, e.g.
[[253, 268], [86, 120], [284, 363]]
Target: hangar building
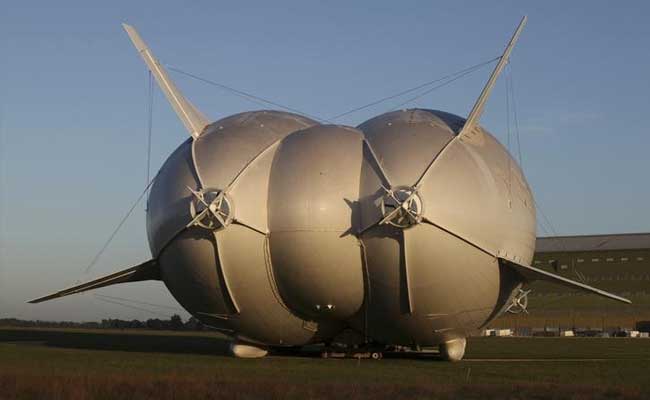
[[618, 263]]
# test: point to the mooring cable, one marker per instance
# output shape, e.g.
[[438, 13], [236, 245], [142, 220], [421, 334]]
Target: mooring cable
[[243, 94], [132, 307], [415, 88], [138, 302], [455, 78], [119, 226], [449, 78], [514, 112]]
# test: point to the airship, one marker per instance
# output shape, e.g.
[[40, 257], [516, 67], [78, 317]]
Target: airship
[[415, 229]]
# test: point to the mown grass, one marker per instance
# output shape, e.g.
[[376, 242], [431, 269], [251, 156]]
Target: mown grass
[[73, 364]]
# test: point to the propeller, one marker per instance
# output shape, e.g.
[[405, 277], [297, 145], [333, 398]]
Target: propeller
[[519, 303], [211, 209]]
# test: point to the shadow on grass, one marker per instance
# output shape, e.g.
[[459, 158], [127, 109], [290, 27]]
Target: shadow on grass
[[127, 341]]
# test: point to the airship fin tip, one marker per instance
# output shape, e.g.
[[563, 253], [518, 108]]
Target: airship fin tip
[[193, 120], [142, 272], [477, 110], [532, 274]]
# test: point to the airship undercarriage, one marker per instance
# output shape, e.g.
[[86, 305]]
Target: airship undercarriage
[[414, 229]]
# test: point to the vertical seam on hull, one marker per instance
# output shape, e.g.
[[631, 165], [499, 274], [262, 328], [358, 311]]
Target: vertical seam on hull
[[271, 276], [364, 263], [195, 164], [221, 272], [406, 274]]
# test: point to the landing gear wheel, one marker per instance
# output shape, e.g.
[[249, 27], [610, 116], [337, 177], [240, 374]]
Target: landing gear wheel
[[376, 355]]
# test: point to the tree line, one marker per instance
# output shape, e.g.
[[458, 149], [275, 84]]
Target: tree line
[[174, 323]]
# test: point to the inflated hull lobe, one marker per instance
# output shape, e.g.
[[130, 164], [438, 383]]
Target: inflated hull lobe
[[315, 255], [305, 257], [426, 284], [225, 278]]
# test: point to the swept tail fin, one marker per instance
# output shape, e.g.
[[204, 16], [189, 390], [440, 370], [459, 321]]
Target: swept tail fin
[[143, 272], [532, 273], [192, 118], [477, 110]]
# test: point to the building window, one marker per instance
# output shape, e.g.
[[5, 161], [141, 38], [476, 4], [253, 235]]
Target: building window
[[609, 259], [639, 258], [551, 261], [624, 259], [595, 259], [580, 260], [564, 266]]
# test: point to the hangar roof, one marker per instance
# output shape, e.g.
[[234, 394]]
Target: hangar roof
[[622, 241]]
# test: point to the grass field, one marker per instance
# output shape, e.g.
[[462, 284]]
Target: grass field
[[77, 364]]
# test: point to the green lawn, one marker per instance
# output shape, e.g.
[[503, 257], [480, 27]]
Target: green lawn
[[99, 364]]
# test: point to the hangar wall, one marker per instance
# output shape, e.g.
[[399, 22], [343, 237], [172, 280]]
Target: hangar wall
[[617, 263]]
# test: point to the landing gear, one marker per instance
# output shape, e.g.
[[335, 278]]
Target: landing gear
[[453, 350], [371, 353], [374, 355], [245, 350]]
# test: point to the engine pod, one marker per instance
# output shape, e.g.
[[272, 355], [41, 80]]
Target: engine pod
[[313, 187]]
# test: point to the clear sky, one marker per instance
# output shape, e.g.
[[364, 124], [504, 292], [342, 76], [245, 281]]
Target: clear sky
[[73, 98]]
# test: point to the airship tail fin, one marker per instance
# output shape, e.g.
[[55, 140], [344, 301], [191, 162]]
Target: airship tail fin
[[194, 121], [143, 272], [532, 274], [477, 110]]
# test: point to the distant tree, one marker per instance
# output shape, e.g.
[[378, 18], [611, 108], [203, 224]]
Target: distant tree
[[135, 324], [176, 322], [155, 324], [193, 324]]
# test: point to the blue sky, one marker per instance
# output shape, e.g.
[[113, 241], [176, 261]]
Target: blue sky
[[73, 98]]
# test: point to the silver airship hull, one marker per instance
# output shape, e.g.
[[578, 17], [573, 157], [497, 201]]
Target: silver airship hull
[[415, 228], [291, 267]]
